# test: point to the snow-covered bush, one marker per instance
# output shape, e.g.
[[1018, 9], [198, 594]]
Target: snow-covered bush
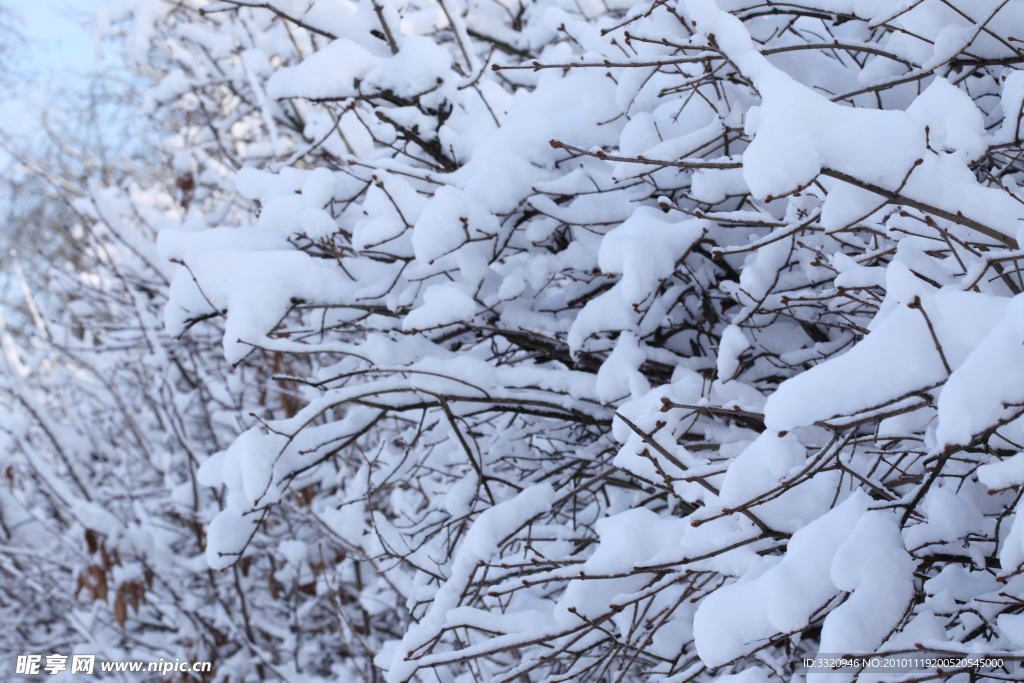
[[104, 421], [610, 340]]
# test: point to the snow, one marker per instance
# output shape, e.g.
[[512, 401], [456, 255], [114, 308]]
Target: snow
[[620, 374], [950, 516], [1011, 550], [443, 225], [264, 185], [628, 539], [226, 537], [898, 358], [420, 66], [294, 552], [730, 348], [952, 120], [803, 129], [644, 249], [1003, 474], [442, 305], [459, 499], [950, 41], [760, 467], [1010, 102], [319, 188], [981, 393], [714, 185], [256, 288], [743, 616], [875, 568], [1011, 626]]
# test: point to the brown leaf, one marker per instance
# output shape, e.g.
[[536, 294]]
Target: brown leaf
[[120, 610], [132, 592], [92, 540], [94, 580], [272, 583], [305, 495]]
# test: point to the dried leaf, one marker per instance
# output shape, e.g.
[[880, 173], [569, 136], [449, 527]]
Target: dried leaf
[[120, 610], [92, 540]]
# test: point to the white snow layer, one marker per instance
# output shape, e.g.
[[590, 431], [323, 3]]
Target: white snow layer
[[743, 616]]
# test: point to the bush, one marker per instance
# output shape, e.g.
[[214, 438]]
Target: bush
[[602, 341]]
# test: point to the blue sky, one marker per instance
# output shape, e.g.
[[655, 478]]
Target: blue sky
[[56, 42], [57, 49]]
